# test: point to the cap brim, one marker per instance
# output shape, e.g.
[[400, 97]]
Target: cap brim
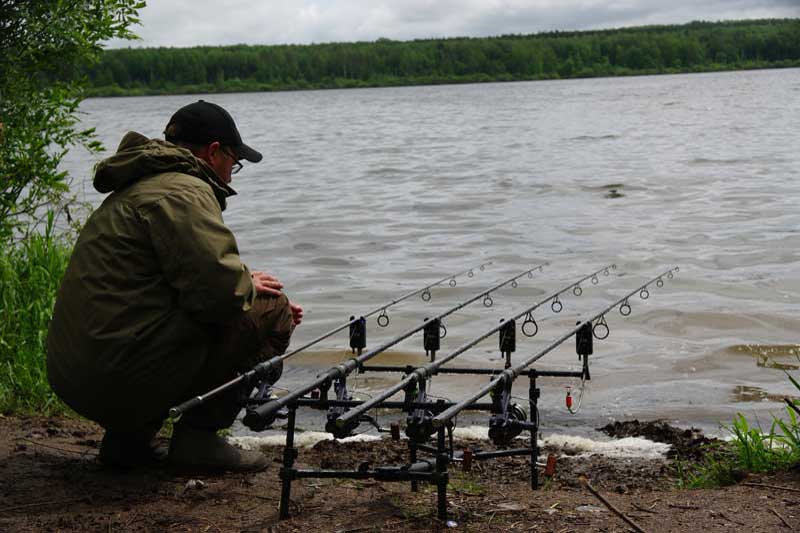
[[245, 152]]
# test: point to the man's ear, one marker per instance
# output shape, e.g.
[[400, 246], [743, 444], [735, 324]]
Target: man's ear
[[211, 152]]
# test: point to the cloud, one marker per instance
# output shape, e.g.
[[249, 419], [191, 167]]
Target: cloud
[[205, 22]]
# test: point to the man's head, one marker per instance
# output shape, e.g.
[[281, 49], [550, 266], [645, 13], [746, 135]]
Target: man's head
[[211, 134]]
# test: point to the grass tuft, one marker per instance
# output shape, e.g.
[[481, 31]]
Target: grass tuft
[[750, 450], [30, 272]]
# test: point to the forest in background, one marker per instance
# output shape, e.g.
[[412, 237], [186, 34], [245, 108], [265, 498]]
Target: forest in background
[[694, 47]]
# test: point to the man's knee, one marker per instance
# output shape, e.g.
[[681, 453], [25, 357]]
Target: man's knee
[[272, 314], [272, 317]]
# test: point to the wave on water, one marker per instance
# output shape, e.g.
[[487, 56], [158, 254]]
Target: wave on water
[[611, 190], [386, 171], [700, 161], [590, 138], [448, 206], [606, 187], [331, 262]]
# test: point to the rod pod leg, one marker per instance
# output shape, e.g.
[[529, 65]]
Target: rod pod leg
[[287, 472], [441, 476], [533, 401], [412, 458]]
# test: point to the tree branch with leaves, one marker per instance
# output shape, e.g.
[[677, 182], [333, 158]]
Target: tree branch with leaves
[[45, 49]]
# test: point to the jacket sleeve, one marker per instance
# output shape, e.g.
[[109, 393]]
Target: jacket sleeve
[[199, 256]]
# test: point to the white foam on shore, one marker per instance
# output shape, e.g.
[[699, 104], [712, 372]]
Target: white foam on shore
[[629, 447], [572, 445], [305, 439], [472, 432], [565, 445]]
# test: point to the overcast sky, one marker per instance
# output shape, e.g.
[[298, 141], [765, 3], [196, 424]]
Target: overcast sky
[[214, 22]]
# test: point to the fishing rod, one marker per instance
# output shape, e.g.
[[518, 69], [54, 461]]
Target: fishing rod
[[259, 417], [383, 318], [265, 368], [599, 329], [422, 373]]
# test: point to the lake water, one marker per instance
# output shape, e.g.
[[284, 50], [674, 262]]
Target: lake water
[[364, 195]]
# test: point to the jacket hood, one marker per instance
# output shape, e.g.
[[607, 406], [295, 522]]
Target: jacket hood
[[138, 157]]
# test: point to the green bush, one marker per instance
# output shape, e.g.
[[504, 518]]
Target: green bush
[[45, 48], [30, 272]]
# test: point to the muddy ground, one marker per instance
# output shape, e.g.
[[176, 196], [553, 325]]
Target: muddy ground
[[50, 480]]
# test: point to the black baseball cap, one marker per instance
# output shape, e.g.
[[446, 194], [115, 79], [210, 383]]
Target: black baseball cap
[[203, 123]]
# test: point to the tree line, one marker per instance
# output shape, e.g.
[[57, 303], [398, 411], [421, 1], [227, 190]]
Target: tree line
[[693, 47]]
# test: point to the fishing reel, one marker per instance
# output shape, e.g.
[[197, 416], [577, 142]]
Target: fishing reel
[[419, 422], [505, 427], [265, 375], [508, 419], [419, 426], [333, 425]]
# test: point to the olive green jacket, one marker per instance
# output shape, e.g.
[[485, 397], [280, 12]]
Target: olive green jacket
[[154, 272]]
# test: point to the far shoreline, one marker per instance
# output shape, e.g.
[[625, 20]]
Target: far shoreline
[[347, 84]]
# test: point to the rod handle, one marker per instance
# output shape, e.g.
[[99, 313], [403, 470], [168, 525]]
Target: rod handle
[[191, 403]]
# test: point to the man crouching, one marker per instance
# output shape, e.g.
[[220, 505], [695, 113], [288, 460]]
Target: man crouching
[[156, 306]]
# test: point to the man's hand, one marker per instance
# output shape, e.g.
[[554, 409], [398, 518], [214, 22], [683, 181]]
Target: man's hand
[[297, 313], [269, 284], [266, 283]]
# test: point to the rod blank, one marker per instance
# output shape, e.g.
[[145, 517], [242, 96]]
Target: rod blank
[[423, 290]]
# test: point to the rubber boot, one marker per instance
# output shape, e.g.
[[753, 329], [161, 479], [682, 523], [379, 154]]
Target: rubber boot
[[130, 449], [202, 450]]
